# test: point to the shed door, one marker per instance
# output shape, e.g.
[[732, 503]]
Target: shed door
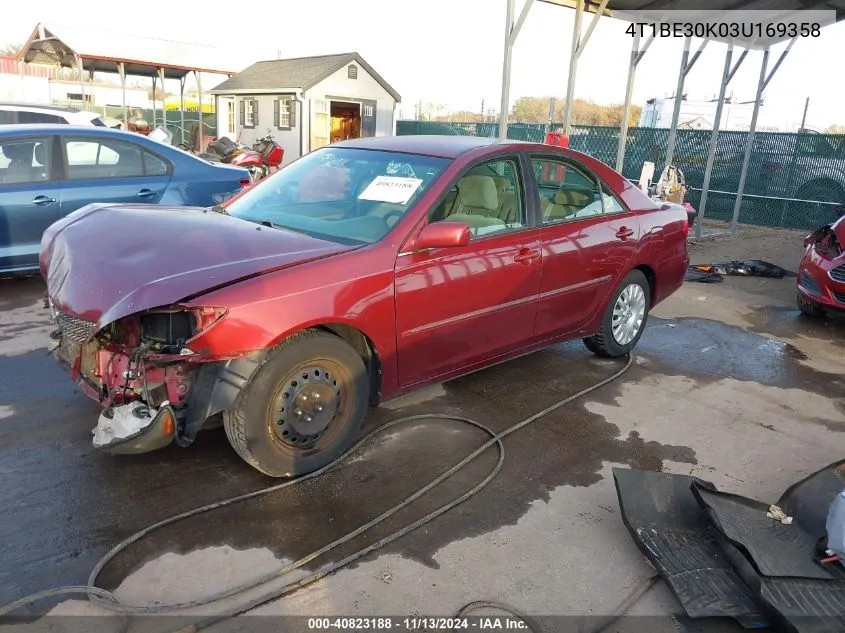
[[368, 117], [321, 123]]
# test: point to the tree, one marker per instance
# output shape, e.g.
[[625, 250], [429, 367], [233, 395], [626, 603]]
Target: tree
[[835, 129], [11, 50], [536, 110], [462, 116]]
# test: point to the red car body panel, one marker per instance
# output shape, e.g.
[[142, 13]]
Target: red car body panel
[[821, 277], [428, 315]]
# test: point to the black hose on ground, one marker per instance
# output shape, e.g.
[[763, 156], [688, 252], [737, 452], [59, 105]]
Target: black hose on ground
[[109, 601]]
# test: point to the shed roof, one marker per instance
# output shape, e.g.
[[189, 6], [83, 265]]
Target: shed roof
[[102, 51], [299, 73]]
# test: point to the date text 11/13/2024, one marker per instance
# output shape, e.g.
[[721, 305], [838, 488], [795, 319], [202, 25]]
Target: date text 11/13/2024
[[416, 623]]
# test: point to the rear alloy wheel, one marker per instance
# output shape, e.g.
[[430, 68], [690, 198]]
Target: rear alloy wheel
[[809, 308], [302, 408], [624, 319]]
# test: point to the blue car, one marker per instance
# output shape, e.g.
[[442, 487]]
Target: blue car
[[48, 171]]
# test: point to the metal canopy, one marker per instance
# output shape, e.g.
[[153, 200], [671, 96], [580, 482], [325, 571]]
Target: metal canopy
[[101, 51], [698, 13]]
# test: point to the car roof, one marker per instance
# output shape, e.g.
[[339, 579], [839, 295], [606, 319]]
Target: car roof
[[29, 129], [38, 106], [427, 145]]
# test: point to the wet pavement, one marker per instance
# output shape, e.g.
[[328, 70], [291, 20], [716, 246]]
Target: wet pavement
[[65, 505]]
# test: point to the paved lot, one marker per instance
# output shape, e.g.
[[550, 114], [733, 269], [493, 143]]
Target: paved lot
[[729, 384]]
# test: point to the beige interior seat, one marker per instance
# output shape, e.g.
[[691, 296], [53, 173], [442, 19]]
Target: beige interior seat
[[477, 203], [565, 205], [507, 201]]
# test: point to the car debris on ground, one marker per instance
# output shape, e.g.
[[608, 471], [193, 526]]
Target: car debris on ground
[[724, 555]]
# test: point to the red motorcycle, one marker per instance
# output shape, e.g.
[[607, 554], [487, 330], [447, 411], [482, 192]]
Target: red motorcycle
[[264, 159]]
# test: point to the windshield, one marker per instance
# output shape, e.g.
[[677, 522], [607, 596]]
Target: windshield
[[340, 194]]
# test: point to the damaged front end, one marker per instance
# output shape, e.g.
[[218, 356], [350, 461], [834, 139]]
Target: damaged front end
[[142, 370]]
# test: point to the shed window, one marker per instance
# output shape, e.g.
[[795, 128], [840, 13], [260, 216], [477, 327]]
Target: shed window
[[285, 113], [250, 113], [352, 71]]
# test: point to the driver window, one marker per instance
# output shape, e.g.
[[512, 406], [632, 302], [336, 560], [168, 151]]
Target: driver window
[[488, 198]]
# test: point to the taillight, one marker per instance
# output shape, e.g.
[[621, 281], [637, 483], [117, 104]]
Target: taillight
[[686, 225], [246, 182]]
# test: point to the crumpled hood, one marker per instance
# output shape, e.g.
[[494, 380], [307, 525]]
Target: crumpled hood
[[104, 262]]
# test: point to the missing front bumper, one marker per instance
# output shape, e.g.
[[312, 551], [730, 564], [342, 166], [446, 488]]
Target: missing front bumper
[[134, 428]]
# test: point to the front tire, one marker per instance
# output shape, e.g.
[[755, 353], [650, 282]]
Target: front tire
[[809, 308], [624, 319], [303, 407]]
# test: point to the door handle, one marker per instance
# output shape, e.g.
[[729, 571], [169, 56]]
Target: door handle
[[624, 233], [42, 200], [146, 193], [526, 255]]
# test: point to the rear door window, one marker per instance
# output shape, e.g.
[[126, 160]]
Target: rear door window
[[94, 158], [24, 160], [566, 191]]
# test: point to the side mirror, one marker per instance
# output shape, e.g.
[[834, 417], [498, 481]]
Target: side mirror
[[442, 235]]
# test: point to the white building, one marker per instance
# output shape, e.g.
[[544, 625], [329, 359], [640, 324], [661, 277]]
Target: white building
[[696, 114], [306, 102]]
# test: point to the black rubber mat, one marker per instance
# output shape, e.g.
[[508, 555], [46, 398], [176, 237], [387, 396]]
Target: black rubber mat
[[808, 500], [670, 528], [775, 549], [805, 605]]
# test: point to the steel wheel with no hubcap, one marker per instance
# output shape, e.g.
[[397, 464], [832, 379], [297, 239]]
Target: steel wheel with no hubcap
[[628, 314], [306, 404]]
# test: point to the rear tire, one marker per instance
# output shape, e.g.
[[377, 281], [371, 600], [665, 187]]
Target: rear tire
[[303, 407], [809, 308], [624, 319]]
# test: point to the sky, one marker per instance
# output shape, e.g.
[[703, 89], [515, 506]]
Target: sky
[[449, 52]]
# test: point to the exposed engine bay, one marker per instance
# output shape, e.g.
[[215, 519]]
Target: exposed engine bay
[[140, 368]]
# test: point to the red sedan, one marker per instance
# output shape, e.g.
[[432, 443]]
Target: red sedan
[[364, 270], [821, 277]]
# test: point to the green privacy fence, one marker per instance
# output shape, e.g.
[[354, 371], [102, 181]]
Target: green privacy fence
[[793, 180]]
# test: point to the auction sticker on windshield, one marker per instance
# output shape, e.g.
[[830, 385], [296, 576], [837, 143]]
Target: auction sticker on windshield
[[393, 189]]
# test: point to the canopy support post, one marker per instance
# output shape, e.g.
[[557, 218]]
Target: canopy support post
[[81, 71], [504, 107], [182, 106], [727, 75], [121, 70], [199, 107], [163, 98], [511, 31], [578, 45], [154, 101], [686, 66], [636, 57], [761, 86]]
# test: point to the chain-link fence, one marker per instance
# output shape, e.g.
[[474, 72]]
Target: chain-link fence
[[181, 134], [793, 180]]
